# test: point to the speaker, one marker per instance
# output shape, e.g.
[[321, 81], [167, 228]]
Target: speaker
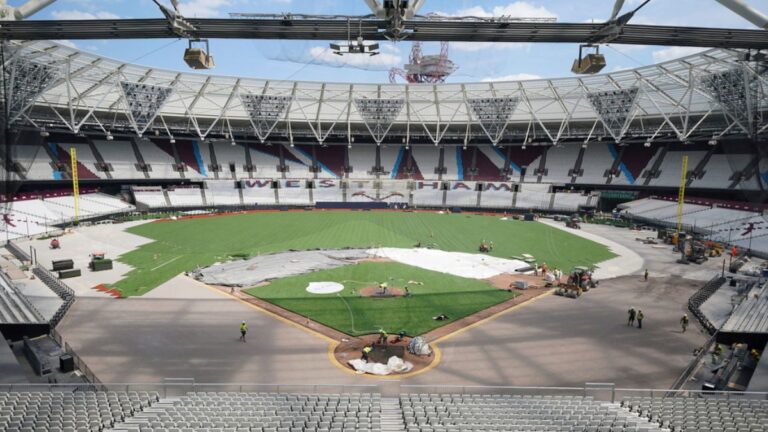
[[590, 64], [66, 363]]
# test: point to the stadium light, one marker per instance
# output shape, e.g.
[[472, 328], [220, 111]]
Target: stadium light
[[713, 141], [647, 144], [523, 147], [109, 136], [172, 140], [44, 133]]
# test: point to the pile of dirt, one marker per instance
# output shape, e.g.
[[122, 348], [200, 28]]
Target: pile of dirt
[[374, 291], [352, 348]]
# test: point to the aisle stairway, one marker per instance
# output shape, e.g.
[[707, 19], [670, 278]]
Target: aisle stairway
[[391, 415]]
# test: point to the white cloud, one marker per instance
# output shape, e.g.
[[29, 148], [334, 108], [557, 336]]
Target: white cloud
[[326, 57], [479, 46], [518, 9], [672, 53], [202, 8], [82, 15], [513, 77]]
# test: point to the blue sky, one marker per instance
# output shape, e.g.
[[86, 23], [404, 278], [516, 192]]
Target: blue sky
[[311, 60]]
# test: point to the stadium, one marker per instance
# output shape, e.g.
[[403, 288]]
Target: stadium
[[265, 250]]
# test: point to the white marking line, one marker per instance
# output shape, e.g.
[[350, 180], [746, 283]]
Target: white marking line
[[167, 262]]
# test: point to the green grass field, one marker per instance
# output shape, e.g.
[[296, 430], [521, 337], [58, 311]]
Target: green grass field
[[352, 314], [185, 244]]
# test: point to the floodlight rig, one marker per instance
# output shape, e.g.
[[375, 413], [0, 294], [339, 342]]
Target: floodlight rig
[[356, 46]]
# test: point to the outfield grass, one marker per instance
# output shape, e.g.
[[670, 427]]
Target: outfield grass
[[352, 314], [185, 244]]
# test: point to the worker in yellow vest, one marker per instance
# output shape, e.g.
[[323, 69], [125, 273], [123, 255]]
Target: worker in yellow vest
[[243, 330], [383, 336], [366, 351]]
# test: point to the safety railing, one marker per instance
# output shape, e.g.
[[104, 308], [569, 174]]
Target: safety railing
[[607, 392], [60, 288], [701, 296], [80, 364]]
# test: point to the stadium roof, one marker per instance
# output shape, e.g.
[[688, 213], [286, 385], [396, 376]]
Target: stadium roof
[[82, 89]]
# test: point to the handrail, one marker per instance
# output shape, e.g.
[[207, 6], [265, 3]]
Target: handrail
[[23, 298]]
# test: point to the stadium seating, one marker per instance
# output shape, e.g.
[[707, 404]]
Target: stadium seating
[[456, 163], [569, 201], [597, 159], [494, 162], [427, 157], [37, 214], [560, 161], [35, 162], [152, 197], [258, 195], [87, 163], [470, 412], [461, 197], [161, 163], [185, 197], [669, 170], [294, 195], [120, 156], [69, 411], [702, 415], [391, 158], [362, 158], [261, 412], [222, 193], [719, 170]]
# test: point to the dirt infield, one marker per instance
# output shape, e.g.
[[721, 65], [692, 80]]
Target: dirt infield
[[351, 348], [373, 291]]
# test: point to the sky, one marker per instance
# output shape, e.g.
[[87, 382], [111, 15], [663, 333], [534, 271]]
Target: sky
[[313, 61]]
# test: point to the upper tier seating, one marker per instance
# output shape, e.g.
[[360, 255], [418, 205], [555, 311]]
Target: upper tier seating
[[427, 158], [565, 201], [70, 411], [120, 155], [669, 171], [597, 159], [230, 156], [702, 415], [560, 160], [457, 164], [362, 159]]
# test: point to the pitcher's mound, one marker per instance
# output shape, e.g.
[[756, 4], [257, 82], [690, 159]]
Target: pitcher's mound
[[376, 292]]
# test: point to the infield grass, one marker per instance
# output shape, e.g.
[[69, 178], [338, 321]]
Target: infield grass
[[183, 245], [355, 315]]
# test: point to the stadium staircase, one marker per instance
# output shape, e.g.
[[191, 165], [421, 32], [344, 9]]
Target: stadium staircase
[[392, 419], [15, 308]]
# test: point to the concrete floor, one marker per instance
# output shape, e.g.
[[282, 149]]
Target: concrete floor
[[553, 341]]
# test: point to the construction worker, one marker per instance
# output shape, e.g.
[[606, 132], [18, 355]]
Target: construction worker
[[632, 314], [716, 352], [645, 275], [640, 317], [243, 331], [383, 336], [366, 351], [754, 354], [684, 322]]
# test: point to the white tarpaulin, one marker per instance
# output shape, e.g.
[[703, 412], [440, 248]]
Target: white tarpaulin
[[473, 266], [394, 365], [324, 287]]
